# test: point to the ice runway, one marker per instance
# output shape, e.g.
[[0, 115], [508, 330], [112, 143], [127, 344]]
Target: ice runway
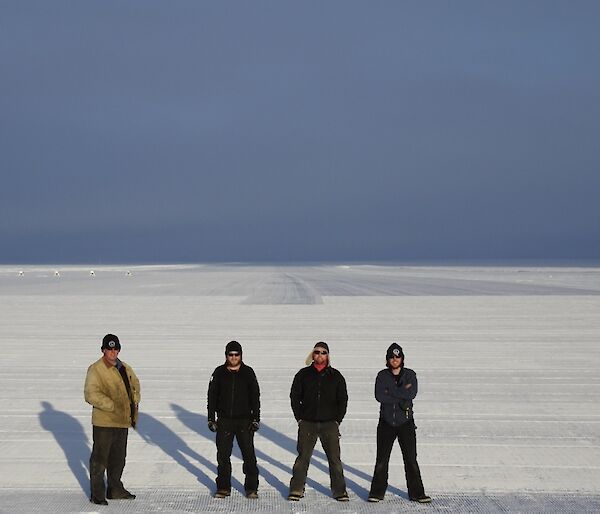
[[508, 413]]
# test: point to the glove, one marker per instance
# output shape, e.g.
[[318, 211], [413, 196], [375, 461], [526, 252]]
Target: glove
[[212, 425], [254, 426]]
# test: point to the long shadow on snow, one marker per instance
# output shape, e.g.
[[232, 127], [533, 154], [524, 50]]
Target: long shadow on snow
[[157, 433], [71, 437], [193, 421], [289, 444], [198, 423]]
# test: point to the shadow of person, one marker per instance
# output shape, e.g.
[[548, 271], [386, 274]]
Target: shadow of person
[[289, 444], [72, 439], [158, 434], [198, 423]]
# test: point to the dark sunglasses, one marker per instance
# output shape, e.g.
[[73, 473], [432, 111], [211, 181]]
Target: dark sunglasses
[[317, 352], [233, 354]]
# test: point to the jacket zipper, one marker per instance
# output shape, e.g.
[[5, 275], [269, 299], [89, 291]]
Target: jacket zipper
[[232, 395], [318, 396]]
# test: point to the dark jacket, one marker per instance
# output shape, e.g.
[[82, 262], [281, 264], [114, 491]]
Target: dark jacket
[[319, 396], [396, 397], [233, 394]]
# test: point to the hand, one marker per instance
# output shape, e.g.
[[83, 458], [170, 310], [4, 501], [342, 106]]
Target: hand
[[212, 425], [254, 426]]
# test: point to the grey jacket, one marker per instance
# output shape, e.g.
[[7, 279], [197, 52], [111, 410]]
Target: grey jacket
[[396, 398]]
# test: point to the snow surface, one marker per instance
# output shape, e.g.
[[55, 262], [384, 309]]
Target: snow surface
[[508, 411]]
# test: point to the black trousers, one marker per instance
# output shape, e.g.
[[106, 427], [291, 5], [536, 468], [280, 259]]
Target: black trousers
[[329, 434], [226, 431], [108, 454], [386, 435]]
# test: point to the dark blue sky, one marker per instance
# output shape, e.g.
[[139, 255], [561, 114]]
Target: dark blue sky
[[287, 131]]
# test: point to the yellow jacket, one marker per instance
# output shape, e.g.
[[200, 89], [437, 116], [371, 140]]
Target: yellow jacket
[[105, 390]]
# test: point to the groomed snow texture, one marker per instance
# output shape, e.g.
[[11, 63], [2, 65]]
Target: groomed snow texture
[[508, 411]]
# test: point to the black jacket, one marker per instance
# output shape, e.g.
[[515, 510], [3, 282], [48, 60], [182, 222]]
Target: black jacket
[[233, 394], [319, 396], [396, 397]]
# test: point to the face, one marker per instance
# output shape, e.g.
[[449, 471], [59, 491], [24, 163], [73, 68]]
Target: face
[[395, 362], [234, 359], [111, 356], [319, 356]]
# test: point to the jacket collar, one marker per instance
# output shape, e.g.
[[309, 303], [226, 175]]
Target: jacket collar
[[392, 375]]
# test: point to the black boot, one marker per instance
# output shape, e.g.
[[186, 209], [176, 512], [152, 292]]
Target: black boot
[[420, 499], [119, 495]]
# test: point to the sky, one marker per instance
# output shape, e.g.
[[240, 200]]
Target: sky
[[189, 131]]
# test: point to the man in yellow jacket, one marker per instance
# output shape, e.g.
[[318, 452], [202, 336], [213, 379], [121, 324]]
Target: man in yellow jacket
[[113, 389]]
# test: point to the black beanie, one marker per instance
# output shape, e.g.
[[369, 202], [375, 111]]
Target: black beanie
[[395, 350], [322, 344], [110, 342], [233, 346]]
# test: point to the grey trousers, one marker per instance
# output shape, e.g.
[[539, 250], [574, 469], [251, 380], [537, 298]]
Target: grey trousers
[[329, 434], [108, 454]]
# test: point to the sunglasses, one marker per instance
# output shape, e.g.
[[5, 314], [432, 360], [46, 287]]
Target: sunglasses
[[233, 354], [317, 352]]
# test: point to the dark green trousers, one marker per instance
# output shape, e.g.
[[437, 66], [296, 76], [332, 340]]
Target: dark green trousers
[[329, 434], [108, 455]]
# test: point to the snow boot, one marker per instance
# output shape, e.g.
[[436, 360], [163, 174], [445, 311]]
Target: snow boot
[[421, 499]]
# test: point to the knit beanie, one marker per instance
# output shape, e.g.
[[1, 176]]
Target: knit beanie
[[233, 346], [320, 344], [110, 342], [395, 350]]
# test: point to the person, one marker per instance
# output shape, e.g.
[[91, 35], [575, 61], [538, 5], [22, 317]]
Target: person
[[395, 390], [319, 400], [234, 412], [113, 389]]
